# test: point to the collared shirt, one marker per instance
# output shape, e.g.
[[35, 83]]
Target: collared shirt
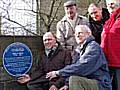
[[79, 47], [51, 50], [72, 22]]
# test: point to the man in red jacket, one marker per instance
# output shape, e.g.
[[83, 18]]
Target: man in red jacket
[[111, 41]]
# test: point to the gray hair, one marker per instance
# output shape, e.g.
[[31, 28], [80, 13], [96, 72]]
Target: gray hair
[[49, 33], [94, 4]]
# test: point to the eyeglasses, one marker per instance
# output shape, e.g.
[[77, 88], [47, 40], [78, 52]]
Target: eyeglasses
[[49, 39]]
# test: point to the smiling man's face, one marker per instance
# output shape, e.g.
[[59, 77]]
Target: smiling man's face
[[49, 40], [70, 11], [95, 13]]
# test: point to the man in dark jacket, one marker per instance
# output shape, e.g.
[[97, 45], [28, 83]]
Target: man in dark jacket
[[89, 70], [97, 18], [53, 58]]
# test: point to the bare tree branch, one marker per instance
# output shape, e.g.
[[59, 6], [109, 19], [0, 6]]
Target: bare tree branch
[[22, 26], [55, 13]]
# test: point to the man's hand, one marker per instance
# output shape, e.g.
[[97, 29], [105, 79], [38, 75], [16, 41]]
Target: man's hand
[[51, 75], [64, 88], [53, 87], [23, 79]]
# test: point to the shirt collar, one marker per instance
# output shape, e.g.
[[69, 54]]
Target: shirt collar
[[47, 51]]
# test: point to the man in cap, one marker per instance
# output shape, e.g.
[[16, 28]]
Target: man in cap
[[111, 41], [66, 26]]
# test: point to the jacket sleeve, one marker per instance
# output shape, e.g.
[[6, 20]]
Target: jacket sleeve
[[37, 68], [85, 20], [87, 64], [59, 34]]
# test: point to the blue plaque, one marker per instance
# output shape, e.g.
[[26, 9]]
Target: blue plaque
[[17, 59]]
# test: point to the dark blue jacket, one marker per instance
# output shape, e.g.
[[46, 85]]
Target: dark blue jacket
[[91, 63]]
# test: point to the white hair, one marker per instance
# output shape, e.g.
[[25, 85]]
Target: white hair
[[84, 28], [117, 2]]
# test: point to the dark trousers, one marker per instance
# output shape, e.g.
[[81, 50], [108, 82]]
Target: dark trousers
[[38, 86], [115, 76]]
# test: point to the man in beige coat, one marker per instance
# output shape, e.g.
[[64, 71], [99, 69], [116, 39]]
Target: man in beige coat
[[66, 26]]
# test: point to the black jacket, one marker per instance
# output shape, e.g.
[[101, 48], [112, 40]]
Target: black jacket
[[97, 26]]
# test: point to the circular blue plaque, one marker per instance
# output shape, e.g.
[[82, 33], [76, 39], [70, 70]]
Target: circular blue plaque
[[17, 59]]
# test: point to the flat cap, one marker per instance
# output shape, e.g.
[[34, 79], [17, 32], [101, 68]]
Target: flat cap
[[69, 3]]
